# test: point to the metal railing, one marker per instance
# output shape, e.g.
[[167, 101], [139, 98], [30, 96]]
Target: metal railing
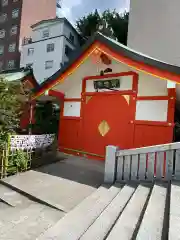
[[160, 162], [26, 41]]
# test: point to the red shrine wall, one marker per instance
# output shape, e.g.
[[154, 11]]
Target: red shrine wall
[[142, 133], [138, 113]]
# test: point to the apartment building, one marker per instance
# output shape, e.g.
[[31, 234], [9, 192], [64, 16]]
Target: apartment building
[[16, 18], [49, 48]]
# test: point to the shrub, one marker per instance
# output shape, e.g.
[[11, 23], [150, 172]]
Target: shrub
[[17, 162]]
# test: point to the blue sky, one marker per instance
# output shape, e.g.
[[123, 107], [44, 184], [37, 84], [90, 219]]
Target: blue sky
[[74, 9]]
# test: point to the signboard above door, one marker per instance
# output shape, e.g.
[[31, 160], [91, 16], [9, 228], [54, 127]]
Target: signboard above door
[[107, 84]]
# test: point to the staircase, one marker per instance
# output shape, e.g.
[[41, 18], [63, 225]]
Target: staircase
[[130, 211], [142, 204], [120, 211]]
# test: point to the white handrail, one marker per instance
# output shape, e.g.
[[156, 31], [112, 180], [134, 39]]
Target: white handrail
[[151, 149]]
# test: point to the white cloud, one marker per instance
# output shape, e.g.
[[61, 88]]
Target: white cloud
[[66, 10], [74, 9]]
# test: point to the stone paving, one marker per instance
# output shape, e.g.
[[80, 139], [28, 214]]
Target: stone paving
[[86, 209], [34, 201], [58, 183]]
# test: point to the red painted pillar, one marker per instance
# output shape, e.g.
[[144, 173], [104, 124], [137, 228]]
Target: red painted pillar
[[28, 114]]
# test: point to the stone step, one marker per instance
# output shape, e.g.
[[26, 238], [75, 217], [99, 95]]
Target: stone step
[[11, 218], [127, 222], [66, 198], [174, 214], [4, 205], [32, 222], [152, 223], [100, 228], [76, 222], [12, 197]]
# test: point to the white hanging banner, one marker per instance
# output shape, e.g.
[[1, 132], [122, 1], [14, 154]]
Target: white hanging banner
[[31, 141]]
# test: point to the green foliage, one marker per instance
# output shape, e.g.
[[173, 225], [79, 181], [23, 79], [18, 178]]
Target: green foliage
[[109, 23], [9, 109], [17, 162], [118, 23], [89, 24]]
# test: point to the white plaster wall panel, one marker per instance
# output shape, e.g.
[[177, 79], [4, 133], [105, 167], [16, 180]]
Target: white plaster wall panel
[[171, 84], [125, 84], [55, 29], [116, 67], [147, 85], [72, 85], [155, 110], [72, 109], [151, 86], [74, 92], [152, 23]]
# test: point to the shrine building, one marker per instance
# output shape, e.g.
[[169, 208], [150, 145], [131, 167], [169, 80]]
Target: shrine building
[[110, 94]]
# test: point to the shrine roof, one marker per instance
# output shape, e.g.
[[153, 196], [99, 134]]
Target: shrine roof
[[171, 72], [19, 74]]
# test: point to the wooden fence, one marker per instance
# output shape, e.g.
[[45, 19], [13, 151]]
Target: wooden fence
[[160, 162]]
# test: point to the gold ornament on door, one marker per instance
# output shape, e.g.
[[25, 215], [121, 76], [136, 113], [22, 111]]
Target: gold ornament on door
[[127, 98], [103, 128], [88, 98]]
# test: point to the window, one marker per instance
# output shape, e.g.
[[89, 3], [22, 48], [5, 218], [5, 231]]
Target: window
[[1, 49], [50, 47], [13, 30], [11, 64], [68, 50], [1, 65], [30, 51], [48, 64], [71, 38], [4, 2], [3, 17], [12, 47], [2, 33], [45, 33], [29, 65], [15, 13]]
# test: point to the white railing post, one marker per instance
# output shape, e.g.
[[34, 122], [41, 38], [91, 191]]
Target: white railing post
[[110, 164]]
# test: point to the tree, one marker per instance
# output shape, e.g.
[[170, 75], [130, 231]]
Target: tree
[[88, 25], [9, 108], [118, 23], [109, 23]]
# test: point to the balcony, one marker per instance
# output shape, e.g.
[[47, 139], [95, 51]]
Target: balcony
[[26, 41]]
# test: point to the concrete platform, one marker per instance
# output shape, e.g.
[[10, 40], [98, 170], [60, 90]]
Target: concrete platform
[[63, 184]]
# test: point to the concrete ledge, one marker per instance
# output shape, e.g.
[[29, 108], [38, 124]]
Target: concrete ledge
[[35, 199]]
